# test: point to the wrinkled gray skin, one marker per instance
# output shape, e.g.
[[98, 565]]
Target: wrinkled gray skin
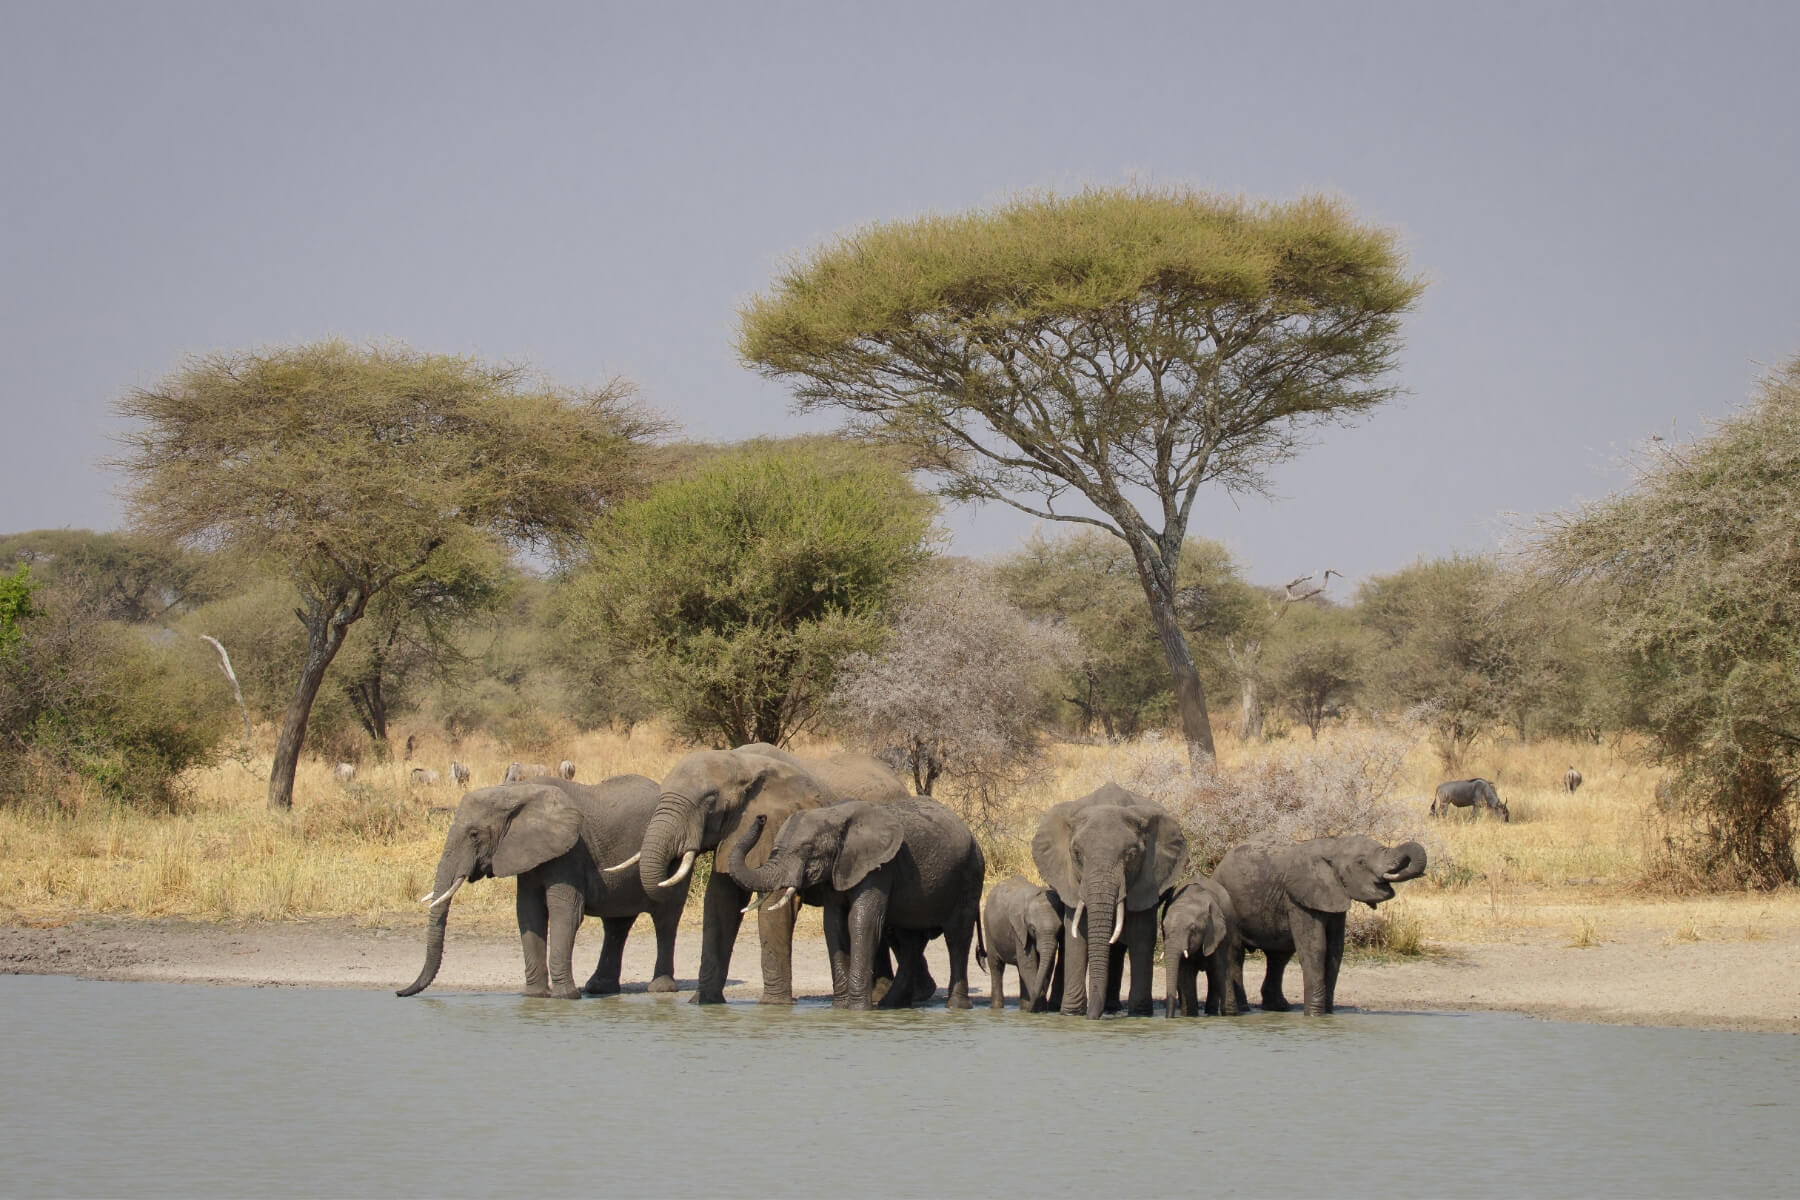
[[910, 866], [1199, 928], [1467, 793], [706, 798], [1109, 849], [1571, 779], [1291, 899], [1024, 928], [556, 836]]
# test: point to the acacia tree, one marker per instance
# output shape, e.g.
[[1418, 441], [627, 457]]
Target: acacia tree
[[348, 469], [1118, 345]]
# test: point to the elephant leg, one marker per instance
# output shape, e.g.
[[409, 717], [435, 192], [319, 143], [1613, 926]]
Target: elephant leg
[[724, 898], [1189, 983], [913, 983], [534, 925], [1234, 976], [605, 979], [1311, 946], [1115, 973], [1272, 999], [837, 950], [1221, 1000], [867, 915], [667, 923], [959, 936], [1074, 972], [883, 978], [997, 984], [1140, 944], [564, 901], [776, 932], [1334, 958]]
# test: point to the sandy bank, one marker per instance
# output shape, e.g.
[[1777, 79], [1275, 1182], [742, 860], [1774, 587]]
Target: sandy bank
[[1735, 985]]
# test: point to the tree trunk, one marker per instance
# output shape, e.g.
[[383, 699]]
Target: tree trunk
[[325, 629], [1250, 710], [1190, 693]]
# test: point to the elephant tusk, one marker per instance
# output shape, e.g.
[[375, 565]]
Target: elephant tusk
[[450, 891], [1118, 922], [780, 898], [687, 864], [748, 906], [630, 862], [426, 898], [1075, 921]]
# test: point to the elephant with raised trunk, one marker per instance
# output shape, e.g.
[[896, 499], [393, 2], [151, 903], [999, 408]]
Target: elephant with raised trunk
[[1024, 927], [909, 867], [705, 799], [556, 836], [1199, 929], [1110, 857], [1291, 899]]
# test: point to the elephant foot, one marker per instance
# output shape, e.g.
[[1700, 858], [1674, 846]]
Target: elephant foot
[[540, 992], [924, 988], [1275, 1004], [1142, 1010], [717, 997], [664, 983], [777, 998], [880, 990], [959, 999], [568, 992], [600, 987]]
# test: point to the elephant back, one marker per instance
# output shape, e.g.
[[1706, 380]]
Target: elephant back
[[849, 775], [615, 813]]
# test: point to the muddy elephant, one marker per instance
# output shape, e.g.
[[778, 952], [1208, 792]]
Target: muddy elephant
[[555, 836], [1291, 899], [706, 798], [910, 868], [1024, 927], [1468, 793], [1110, 857], [1199, 928]]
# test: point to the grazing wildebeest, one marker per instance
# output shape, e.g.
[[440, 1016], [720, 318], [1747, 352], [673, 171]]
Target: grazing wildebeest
[[459, 773], [566, 769], [1571, 778], [519, 772], [1468, 793]]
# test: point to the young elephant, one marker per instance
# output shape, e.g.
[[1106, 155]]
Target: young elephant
[[1199, 929], [910, 867], [1292, 898], [1468, 793], [1024, 928], [555, 836]]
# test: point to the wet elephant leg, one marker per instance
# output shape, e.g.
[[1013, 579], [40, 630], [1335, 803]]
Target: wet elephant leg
[[605, 979], [913, 983], [884, 971], [534, 924], [1334, 958], [667, 923], [1140, 944], [1220, 998], [564, 901], [1234, 976], [1074, 972], [718, 935], [997, 984], [959, 936], [1272, 999], [776, 932], [837, 950], [867, 915], [1310, 947]]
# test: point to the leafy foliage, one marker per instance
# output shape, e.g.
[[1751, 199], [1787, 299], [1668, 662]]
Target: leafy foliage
[[1317, 663], [738, 590], [15, 606], [119, 576]]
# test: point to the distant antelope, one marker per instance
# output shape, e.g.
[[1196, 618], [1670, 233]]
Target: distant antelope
[[1571, 779], [566, 769], [459, 773], [344, 772]]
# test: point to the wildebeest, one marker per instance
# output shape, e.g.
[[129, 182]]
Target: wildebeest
[[459, 773], [566, 769], [519, 772], [1467, 793], [344, 772], [1571, 778], [423, 776]]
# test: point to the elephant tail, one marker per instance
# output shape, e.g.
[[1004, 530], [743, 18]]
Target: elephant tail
[[981, 954]]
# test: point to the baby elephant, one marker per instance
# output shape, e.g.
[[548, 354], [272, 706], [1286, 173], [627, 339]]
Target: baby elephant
[[1199, 928], [1024, 926], [1468, 793]]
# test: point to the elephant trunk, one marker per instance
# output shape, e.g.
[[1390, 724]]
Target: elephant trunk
[[1049, 945], [766, 878], [664, 841], [450, 875], [1102, 900], [1407, 862]]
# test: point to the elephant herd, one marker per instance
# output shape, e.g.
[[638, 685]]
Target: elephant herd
[[891, 871]]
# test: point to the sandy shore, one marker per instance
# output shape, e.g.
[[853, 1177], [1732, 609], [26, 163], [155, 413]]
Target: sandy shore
[[1734, 985]]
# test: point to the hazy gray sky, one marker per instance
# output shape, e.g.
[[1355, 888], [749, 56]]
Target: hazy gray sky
[[1603, 196]]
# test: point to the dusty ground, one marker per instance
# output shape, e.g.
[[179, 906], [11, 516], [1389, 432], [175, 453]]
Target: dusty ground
[[1637, 979]]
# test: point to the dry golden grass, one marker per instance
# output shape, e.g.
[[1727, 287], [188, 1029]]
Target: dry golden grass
[[1565, 868]]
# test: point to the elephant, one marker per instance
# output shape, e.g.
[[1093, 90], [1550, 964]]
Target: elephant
[[1024, 927], [554, 835], [909, 868], [1199, 928], [520, 772], [1292, 899], [566, 769], [706, 797], [1111, 856], [1571, 779], [1467, 793], [849, 774]]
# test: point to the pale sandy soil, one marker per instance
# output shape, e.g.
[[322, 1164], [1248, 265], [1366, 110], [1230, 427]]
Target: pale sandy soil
[[1638, 979]]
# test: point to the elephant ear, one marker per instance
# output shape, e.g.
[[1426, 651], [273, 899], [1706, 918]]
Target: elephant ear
[[872, 835], [1312, 882], [1050, 851], [544, 824], [1165, 858], [777, 790], [1214, 930]]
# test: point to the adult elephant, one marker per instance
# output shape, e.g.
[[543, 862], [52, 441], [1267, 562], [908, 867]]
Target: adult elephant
[[1292, 899], [851, 774], [908, 866], [706, 797], [554, 836], [1110, 857]]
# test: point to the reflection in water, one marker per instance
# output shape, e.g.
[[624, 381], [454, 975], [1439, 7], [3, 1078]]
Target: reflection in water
[[169, 1089]]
